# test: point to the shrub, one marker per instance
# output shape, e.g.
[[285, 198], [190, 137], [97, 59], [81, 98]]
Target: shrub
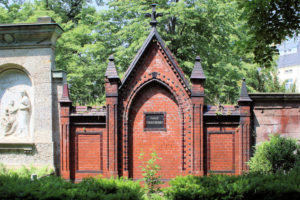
[[277, 154], [247, 186], [26, 171], [3, 169], [150, 173], [119, 188], [13, 186]]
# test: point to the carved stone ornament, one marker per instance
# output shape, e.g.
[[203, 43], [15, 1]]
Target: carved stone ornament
[[15, 106], [8, 38]]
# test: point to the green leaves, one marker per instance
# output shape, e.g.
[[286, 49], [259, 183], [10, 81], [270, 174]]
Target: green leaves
[[248, 186], [212, 29], [269, 22], [277, 155], [150, 173], [16, 187]]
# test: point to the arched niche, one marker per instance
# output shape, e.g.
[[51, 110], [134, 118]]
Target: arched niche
[[16, 105], [154, 98]]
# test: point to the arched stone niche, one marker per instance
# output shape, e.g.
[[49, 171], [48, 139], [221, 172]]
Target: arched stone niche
[[16, 106]]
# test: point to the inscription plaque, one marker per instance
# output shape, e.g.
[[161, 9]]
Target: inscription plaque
[[155, 121]]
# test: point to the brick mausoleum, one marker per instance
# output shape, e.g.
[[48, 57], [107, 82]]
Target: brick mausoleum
[[154, 108]]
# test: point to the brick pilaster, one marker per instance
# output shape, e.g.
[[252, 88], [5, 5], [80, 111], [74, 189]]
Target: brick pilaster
[[197, 97], [111, 137], [244, 130], [65, 110]]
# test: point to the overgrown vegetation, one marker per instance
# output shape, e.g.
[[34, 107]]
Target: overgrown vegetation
[[249, 186], [18, 185], [279, 154], [26, 172]]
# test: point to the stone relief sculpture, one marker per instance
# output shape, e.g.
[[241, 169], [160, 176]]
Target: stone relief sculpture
[[15, 106], [8, 121], [23, 115], [16, 120]]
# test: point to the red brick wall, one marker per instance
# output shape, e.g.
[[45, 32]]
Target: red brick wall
[[222, 155], [166, 143], [276, 117], [220, 152], [87, 151]]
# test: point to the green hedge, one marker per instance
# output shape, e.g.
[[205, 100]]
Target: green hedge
[[250, 186], [15, 187]]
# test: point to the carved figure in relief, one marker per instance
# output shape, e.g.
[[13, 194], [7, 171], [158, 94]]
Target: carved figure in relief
[[23, 115], [16, 119], [9, 119]]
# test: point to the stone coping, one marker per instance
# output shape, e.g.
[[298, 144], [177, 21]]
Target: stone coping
[[16, 142], [221, 110], [275, 96], [88, 111], [30, 24], [26, 147], [37, 35]]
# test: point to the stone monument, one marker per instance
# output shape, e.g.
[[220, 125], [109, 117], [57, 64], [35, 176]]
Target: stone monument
[[29, 90]]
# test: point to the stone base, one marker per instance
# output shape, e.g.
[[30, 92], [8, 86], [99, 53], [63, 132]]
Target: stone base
[[15, 155]]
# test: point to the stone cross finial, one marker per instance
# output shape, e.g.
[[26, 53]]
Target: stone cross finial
[[153, 15]]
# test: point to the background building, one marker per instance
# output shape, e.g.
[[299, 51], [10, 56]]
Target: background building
[[289, 63]]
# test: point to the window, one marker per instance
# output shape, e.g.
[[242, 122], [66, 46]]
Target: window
[[289, 84], [288, 71]]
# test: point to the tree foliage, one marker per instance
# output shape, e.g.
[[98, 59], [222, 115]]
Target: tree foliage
[[269, 22], [209, 28]]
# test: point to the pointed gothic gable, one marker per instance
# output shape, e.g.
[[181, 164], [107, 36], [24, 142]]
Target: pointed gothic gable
[[154, 35], [154, 85]]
